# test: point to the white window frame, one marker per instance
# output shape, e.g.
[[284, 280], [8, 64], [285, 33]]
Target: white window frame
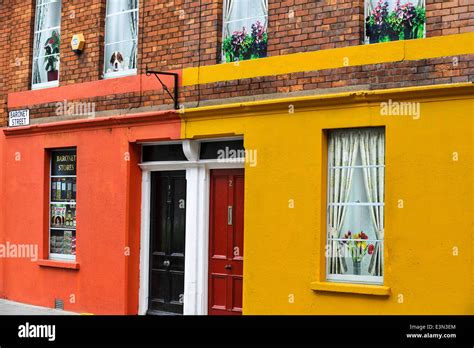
[[129, 72], [350, 278], [54, 256], [50, 84]]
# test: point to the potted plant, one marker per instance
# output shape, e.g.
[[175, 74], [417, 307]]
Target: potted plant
[[242, 46], [51, 48], [376, 24], [404, 22], [358, 248]]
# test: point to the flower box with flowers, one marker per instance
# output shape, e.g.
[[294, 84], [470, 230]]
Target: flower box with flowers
[[404, 22], [242, 45]]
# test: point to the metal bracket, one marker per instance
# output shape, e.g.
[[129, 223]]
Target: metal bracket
[[176, 78]]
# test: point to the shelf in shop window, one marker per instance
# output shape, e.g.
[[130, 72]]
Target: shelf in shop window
[[63, 176], [67, 203], [73, 229]]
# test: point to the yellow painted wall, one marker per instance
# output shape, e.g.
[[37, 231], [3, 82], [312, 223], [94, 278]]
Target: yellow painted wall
[[283, 247], [386, 52]]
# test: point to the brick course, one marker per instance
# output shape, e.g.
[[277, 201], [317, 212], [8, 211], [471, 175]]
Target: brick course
[[172, 33]]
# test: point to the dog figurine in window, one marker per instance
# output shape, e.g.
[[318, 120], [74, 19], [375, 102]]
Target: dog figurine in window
[[117, 62]]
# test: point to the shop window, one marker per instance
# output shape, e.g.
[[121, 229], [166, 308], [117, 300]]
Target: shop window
[[392, 20], [46, 44], [355, 205], [121, 38], [244, 30], [62, 226]]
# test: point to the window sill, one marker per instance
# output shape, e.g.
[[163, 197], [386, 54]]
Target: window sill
[[376, 290], [118, 74], [45, 85], [59, 264]]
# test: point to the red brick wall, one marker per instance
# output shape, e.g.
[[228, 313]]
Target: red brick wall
[[447, 17], [308, 25], [87, 17], [172, 33]]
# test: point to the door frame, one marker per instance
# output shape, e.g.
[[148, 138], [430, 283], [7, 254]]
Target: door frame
[[196, 259]]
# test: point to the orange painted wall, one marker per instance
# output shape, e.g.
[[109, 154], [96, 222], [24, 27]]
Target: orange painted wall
[[108, 214], [2, 229]]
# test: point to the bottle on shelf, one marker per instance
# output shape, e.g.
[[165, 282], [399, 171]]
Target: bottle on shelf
[[58, 190], [53, 188], [63, 189], [69, 191], [74, 217]]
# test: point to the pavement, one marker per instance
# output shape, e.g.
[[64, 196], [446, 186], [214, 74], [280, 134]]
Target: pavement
[[16, 308]]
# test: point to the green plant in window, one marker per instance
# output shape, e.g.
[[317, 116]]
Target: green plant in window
[[51, 48], [242, 46], [419, 22], [404, 22]]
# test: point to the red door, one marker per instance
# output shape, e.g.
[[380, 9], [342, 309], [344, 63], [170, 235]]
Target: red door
[[226, 242]]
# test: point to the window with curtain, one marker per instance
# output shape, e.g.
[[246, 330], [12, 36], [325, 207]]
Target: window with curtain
[[244, 30], [121, 38], [46, 45], [355, 205], [392, 20]]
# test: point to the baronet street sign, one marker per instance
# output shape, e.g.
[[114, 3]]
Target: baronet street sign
[[18, 118]]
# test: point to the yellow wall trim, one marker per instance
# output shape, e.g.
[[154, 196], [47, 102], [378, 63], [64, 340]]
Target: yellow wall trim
[[352, 288], [388, 52], [336, 100]]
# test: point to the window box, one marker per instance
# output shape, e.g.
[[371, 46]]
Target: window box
[[245, 30], [392, 20]]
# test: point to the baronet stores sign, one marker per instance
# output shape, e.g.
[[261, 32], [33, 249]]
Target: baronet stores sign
[[64, 162]]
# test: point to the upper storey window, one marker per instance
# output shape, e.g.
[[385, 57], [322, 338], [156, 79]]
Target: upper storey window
[[121, 37], [245, 30], [392, 20], [46, 44]]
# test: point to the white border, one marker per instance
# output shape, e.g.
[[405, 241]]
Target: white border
[[197, 229]]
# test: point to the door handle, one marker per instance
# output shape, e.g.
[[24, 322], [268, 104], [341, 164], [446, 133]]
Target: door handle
[[228, 267], [166, 263], [229, 215]]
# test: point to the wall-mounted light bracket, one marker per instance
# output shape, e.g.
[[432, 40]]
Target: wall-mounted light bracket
[[173, 96]]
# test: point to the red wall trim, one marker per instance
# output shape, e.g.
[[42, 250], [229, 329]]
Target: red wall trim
[[92, 89], [131, 119]]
